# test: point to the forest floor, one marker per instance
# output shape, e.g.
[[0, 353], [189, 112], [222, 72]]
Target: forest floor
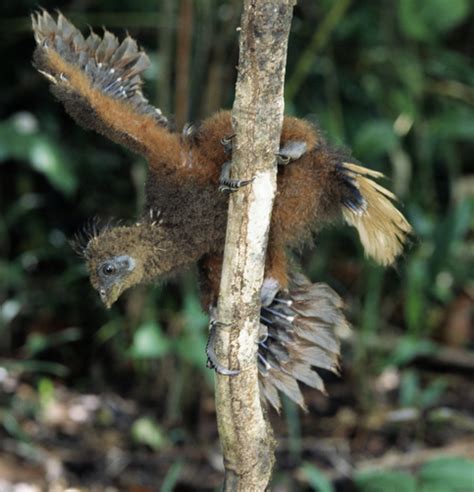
[[66, 440]]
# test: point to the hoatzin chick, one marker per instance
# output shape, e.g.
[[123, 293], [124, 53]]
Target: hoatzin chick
[[98, 79]]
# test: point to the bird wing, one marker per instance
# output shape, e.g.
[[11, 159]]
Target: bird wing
[[98, 79]]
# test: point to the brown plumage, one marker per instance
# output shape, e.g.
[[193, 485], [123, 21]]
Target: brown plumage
[[98, 80]]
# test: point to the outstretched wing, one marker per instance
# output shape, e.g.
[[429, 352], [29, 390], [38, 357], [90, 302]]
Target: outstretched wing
[[99, 82]]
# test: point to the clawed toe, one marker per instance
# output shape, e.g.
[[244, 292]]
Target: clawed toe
[[219, 368], [282, 160], [291, 151], [232, 185], [212, 362], [227, 143], [229, 185]]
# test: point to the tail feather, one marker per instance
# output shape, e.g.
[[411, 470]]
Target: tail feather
[[288, 384], [304, 373], [269, 393], [299, 331], [382, 228], [314, 331]]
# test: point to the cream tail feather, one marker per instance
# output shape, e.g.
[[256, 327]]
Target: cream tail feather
[[381, 227]]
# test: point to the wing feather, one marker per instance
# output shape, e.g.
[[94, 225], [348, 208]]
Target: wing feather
[[98, 79]]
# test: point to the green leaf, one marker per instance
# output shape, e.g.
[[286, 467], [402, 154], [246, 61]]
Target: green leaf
[[46, 159], [403, 102], [34, 366], [149, 342], [13, 427], [9, 310], [448, 475], [191, 343], [146, 431], [192, 348], [411, 22], [417, 283], [196, 319], [38, 342], [374, 139], [109, 330], [316, 479], [408, 348], [172, 476], [423, 20], [409, 388], [23, 142], [46, 391], [454, 124], [433, 393], [384, 481]]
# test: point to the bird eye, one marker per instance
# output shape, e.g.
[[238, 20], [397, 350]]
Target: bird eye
[[108, 269]]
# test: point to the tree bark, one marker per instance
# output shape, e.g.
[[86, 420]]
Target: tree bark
[[246, 436]]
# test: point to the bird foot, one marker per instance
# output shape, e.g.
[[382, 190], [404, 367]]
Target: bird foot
[[232, 185], [229, 185], [212, 362], [269, 290], [291, 151], [227, 143]]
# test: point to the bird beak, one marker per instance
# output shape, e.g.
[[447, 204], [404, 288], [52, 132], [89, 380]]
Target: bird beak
[[109, 296]]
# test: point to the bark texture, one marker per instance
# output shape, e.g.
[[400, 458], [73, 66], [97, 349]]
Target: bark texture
[[246, 437]]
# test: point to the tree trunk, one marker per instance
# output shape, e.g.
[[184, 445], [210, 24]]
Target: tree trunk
[[246, 437]]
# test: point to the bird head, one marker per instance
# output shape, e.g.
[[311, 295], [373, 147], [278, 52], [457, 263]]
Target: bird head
[[112, 275], [115, 258]]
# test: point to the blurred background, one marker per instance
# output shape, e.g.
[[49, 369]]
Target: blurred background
[[121, 400]]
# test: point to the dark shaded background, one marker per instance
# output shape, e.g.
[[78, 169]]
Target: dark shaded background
[[122, 399]]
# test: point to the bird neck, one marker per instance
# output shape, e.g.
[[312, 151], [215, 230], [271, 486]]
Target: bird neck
[[164, 250]]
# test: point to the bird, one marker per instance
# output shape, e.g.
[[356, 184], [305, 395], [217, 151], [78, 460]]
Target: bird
[[98, 80]]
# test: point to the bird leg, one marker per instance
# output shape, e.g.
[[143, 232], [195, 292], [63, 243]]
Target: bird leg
[[291, 151], [227, 184], [227, 143], [212, 362], [268, 296], [269, 290]]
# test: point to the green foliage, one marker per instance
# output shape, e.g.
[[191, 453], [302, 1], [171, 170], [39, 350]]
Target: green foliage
[[447, 475], [293, 421], [21, 140], [423, 20], [149, 342], [38, 343], [147, 431], [440, 263], [412, 395], [172, 477], [316, 479], [438, 475], [190, 345], [384, 481], [45, 392], [407, 349], [375, 139]]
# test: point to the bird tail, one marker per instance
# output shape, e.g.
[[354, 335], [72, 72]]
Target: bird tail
[[299, 330], [381, 226]]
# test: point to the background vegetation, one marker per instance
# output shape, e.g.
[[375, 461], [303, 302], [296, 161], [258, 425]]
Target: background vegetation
[[91, 398]]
